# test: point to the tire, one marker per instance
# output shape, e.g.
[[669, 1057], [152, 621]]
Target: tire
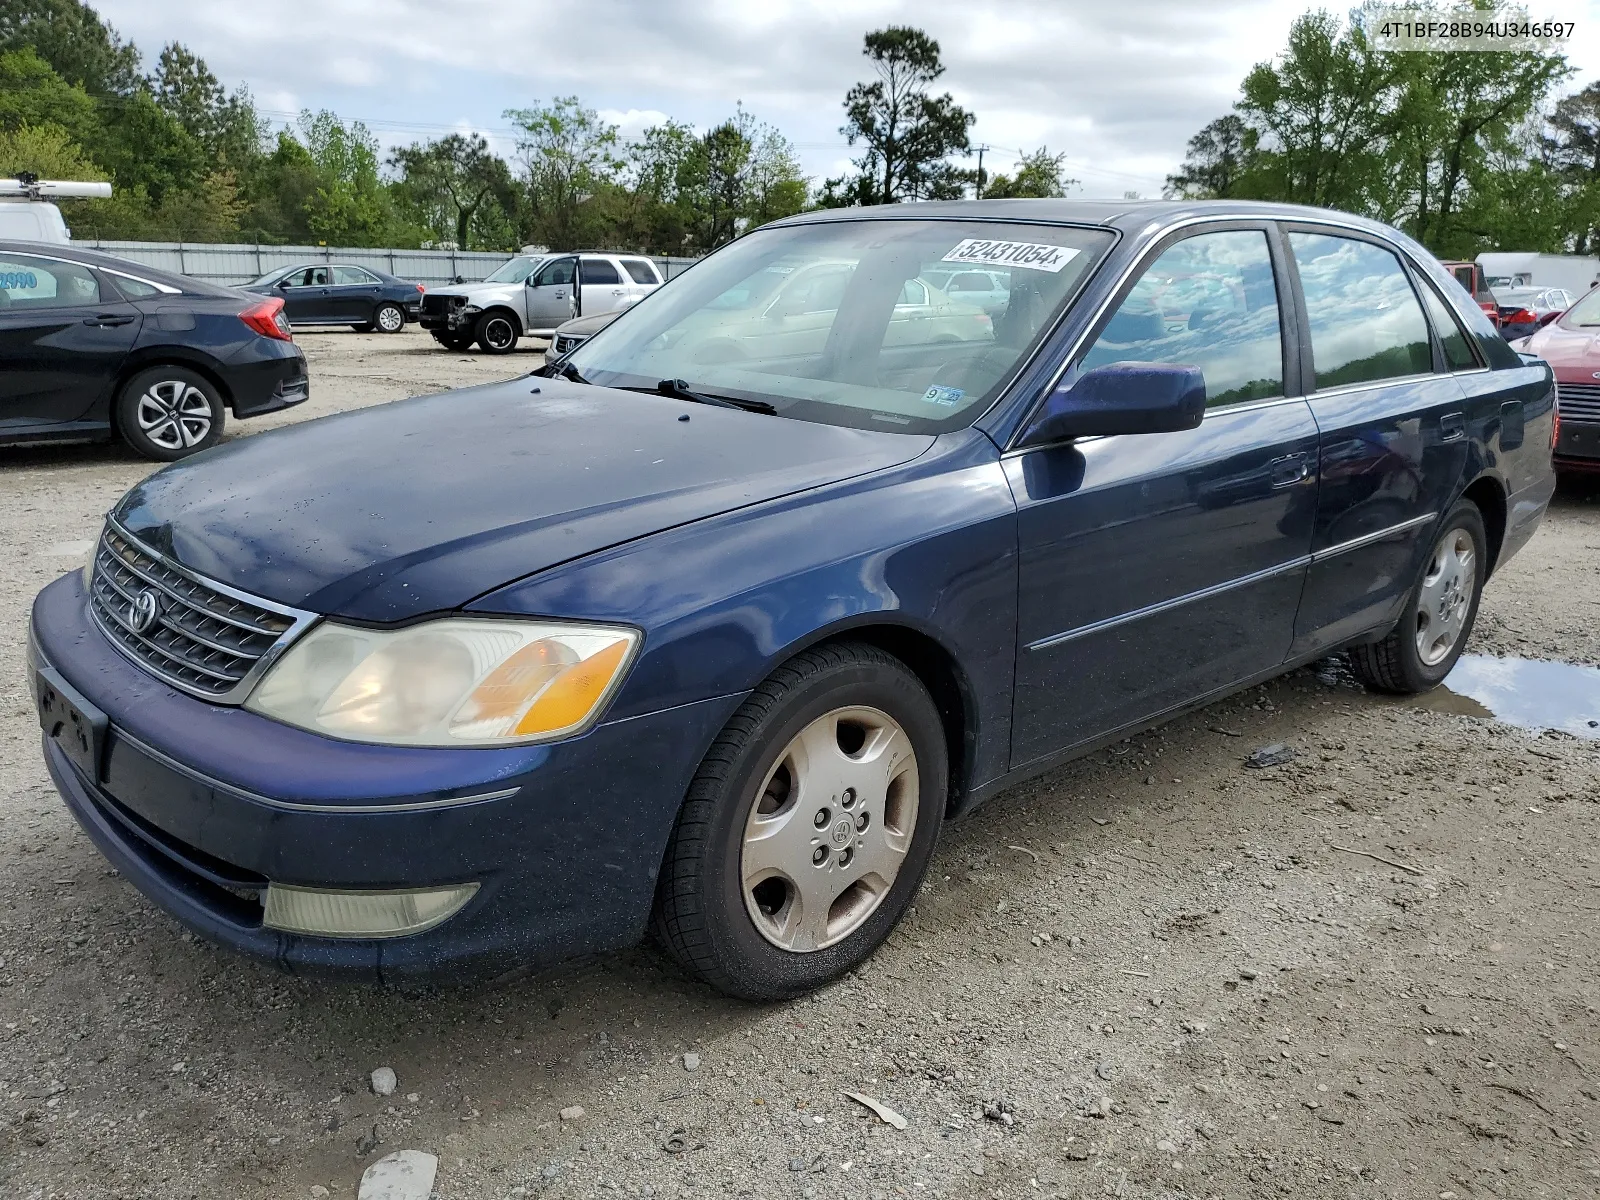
[[496, 333], [743, 925], [1421, 650], [168, 413], [388, 318], [454, 341]]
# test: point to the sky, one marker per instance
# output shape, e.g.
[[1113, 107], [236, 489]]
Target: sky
[[1118, 88]]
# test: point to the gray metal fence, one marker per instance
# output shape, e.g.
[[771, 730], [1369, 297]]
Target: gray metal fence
[[242, 262]]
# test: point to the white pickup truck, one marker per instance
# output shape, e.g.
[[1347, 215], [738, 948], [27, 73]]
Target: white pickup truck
[[530, 296]]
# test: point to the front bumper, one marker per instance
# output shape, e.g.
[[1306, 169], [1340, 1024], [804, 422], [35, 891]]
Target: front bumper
[[199, 806], [1578, 446]]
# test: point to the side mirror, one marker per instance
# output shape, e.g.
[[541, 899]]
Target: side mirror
[[284, 283], [1125, 397]]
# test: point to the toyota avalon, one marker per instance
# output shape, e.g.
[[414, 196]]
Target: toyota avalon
[[710, 633]]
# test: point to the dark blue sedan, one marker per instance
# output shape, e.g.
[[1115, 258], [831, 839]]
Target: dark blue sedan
[[342, 294], [710, 630]]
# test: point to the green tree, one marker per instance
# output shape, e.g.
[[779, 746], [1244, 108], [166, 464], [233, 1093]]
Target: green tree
[[908, 134], [350, 206], [1040, 174], [146, 149], [225, 126], [33, 94], [71, 37], [1216, 160], [736, 176], [281, 190], [1320, 112], [457, 185], [46, 150], [568, 153], [1572, 145]]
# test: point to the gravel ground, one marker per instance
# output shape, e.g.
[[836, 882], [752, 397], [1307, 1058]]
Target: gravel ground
[[1154, 973]]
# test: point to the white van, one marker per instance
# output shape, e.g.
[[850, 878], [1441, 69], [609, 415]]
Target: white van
[[26, 213]]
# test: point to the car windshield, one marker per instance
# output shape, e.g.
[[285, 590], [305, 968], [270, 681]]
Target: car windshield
[[515, 271], [844, 322], [1586, 312]]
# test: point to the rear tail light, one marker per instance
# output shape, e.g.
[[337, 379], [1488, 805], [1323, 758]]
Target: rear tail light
[[1521, 317], [268, 320], [420, 288]]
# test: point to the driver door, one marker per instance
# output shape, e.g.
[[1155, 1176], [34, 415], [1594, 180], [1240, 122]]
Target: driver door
[[552, 294], [1157, 569]]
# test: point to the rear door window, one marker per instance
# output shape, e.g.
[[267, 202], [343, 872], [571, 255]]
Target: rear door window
[[599, 270], [1209, 301], [352, 277], [30, 283], [1366, 324]]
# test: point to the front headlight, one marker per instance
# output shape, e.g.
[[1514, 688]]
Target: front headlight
[[452, 682]]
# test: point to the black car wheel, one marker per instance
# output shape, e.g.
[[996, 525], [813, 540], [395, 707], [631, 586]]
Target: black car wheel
[[1424, 646], [168, 413], [808, 828], [496, 333], [389, 318], [453, 341]]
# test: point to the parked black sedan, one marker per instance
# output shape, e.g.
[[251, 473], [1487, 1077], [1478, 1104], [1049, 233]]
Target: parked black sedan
[[342, 294], [94, 347]]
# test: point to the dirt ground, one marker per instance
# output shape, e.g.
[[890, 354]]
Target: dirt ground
[[1154, 973]]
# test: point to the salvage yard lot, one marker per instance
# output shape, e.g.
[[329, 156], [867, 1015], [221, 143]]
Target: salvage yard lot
[[1152, 973]]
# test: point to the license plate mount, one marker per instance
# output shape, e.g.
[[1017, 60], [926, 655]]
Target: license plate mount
[[69, 720]]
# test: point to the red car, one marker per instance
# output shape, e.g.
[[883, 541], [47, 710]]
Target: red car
[[1571, 345]]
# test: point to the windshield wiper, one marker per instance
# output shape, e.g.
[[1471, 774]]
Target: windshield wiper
[[560, 371], [679, 390]]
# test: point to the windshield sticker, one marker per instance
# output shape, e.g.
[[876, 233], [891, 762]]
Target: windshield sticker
[[949, 397], [1034, 256]]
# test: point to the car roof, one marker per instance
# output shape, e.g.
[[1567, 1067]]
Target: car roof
[[111, 262], [1126, 215]]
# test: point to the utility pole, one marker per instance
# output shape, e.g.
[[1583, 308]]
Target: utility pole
[[978, 194]]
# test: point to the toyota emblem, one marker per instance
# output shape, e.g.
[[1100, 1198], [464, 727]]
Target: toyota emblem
[[144, 612]]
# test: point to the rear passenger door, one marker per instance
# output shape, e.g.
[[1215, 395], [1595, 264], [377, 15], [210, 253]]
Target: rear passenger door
[[1394, 431], [603, 289], [642, 278], [1158, 569], [353, 295]]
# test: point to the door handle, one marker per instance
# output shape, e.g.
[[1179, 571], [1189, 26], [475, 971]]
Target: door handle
[[1452, 426], [618, 292], [561, 295], [108, 319], [1289, 470]]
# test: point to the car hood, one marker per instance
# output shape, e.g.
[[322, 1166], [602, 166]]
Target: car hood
[[421, 505], [1573, 353], [479, 293]]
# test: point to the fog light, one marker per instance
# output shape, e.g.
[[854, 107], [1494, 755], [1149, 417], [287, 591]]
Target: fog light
[[362, 914]]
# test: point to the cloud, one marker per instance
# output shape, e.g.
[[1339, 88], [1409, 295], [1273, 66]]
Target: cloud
[[1118, 88]]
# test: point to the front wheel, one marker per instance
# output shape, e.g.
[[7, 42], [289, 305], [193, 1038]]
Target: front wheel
[[808, 827], [1421, 650], [453, 341], [168, 413], [389, 318], [496, 333]]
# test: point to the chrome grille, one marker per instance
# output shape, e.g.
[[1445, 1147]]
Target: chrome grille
[[204, 638], [1579, 402]]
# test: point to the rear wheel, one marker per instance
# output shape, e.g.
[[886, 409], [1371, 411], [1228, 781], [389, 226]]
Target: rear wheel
[[808, 827], [496, 333], [1420, 651], [168, 413], [389, 318]]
